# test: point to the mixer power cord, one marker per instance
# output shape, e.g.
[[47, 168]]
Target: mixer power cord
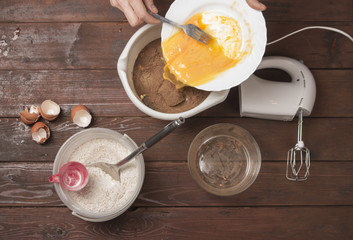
[[313, 27]]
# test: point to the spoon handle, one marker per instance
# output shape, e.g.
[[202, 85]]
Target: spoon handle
[[163, 19], [164, 132], [153, 140]]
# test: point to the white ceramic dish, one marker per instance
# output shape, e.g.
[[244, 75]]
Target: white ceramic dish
[[125, 67], [70, 146], [253, 31]]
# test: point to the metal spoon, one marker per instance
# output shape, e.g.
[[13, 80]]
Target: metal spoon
[[113, 169], [190, 29]]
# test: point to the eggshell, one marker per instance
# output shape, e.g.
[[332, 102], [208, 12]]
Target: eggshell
[[30, 116], [49, 110], [40, 132], [81, 116]]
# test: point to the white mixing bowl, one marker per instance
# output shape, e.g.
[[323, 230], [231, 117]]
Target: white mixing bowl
[[125, 66]]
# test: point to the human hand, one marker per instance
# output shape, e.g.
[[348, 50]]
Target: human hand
[[135, 10], [255, 4]]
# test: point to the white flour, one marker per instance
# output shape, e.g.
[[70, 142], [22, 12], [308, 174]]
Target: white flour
[[102, 193]]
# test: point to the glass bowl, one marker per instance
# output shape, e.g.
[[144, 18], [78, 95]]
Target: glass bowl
[[70, 146], [224, 159]]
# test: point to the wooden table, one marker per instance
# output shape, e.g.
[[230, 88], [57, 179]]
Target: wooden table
[[67, 51]]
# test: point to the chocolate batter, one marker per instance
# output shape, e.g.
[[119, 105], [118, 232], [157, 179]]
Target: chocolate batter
[[156, 92]]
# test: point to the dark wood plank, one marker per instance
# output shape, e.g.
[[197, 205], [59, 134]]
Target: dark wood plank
[[328, 139], [183, 223], [78, 11], [313, 10], [32, 185], [170, 184], [98, 45], [312, 45], [64, 45], [333, 93], [91, 10], [102, 92]]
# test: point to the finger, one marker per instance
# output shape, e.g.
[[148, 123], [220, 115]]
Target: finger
[[141, 12], [255, 4], [129, 12], [150, 5], [114, 3]]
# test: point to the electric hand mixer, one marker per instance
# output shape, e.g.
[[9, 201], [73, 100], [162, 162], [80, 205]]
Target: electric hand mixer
[[260, 98]]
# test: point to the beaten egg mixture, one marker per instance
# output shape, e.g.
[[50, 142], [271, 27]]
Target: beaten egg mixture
[[189, 62]]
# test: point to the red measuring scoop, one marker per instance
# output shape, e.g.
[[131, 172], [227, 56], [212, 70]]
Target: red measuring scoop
[[72, 176]]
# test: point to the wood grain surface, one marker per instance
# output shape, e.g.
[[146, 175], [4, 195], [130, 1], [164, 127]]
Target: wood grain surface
[[184, 223], [67, 51], [328, 138], [170, 184], [97, 11], [98, 45], [98, 89]]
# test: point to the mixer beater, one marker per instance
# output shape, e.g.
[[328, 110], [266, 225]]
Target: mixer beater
[[298, 157]]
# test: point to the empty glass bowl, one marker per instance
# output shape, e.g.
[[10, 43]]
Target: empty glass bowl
[[224, 159]]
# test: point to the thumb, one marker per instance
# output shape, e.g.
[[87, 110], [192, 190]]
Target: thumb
[[255, 4]]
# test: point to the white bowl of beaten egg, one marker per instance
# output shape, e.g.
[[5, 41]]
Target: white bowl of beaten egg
[[102, 198], [144, 36], [238, 43]]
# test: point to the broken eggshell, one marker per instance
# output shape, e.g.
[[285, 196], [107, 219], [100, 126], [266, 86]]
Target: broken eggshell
[[30, 116], [40, 132], [80, 116], [49, 110]]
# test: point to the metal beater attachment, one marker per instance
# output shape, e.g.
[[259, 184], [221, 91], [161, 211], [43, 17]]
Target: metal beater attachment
[[299, 156]]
